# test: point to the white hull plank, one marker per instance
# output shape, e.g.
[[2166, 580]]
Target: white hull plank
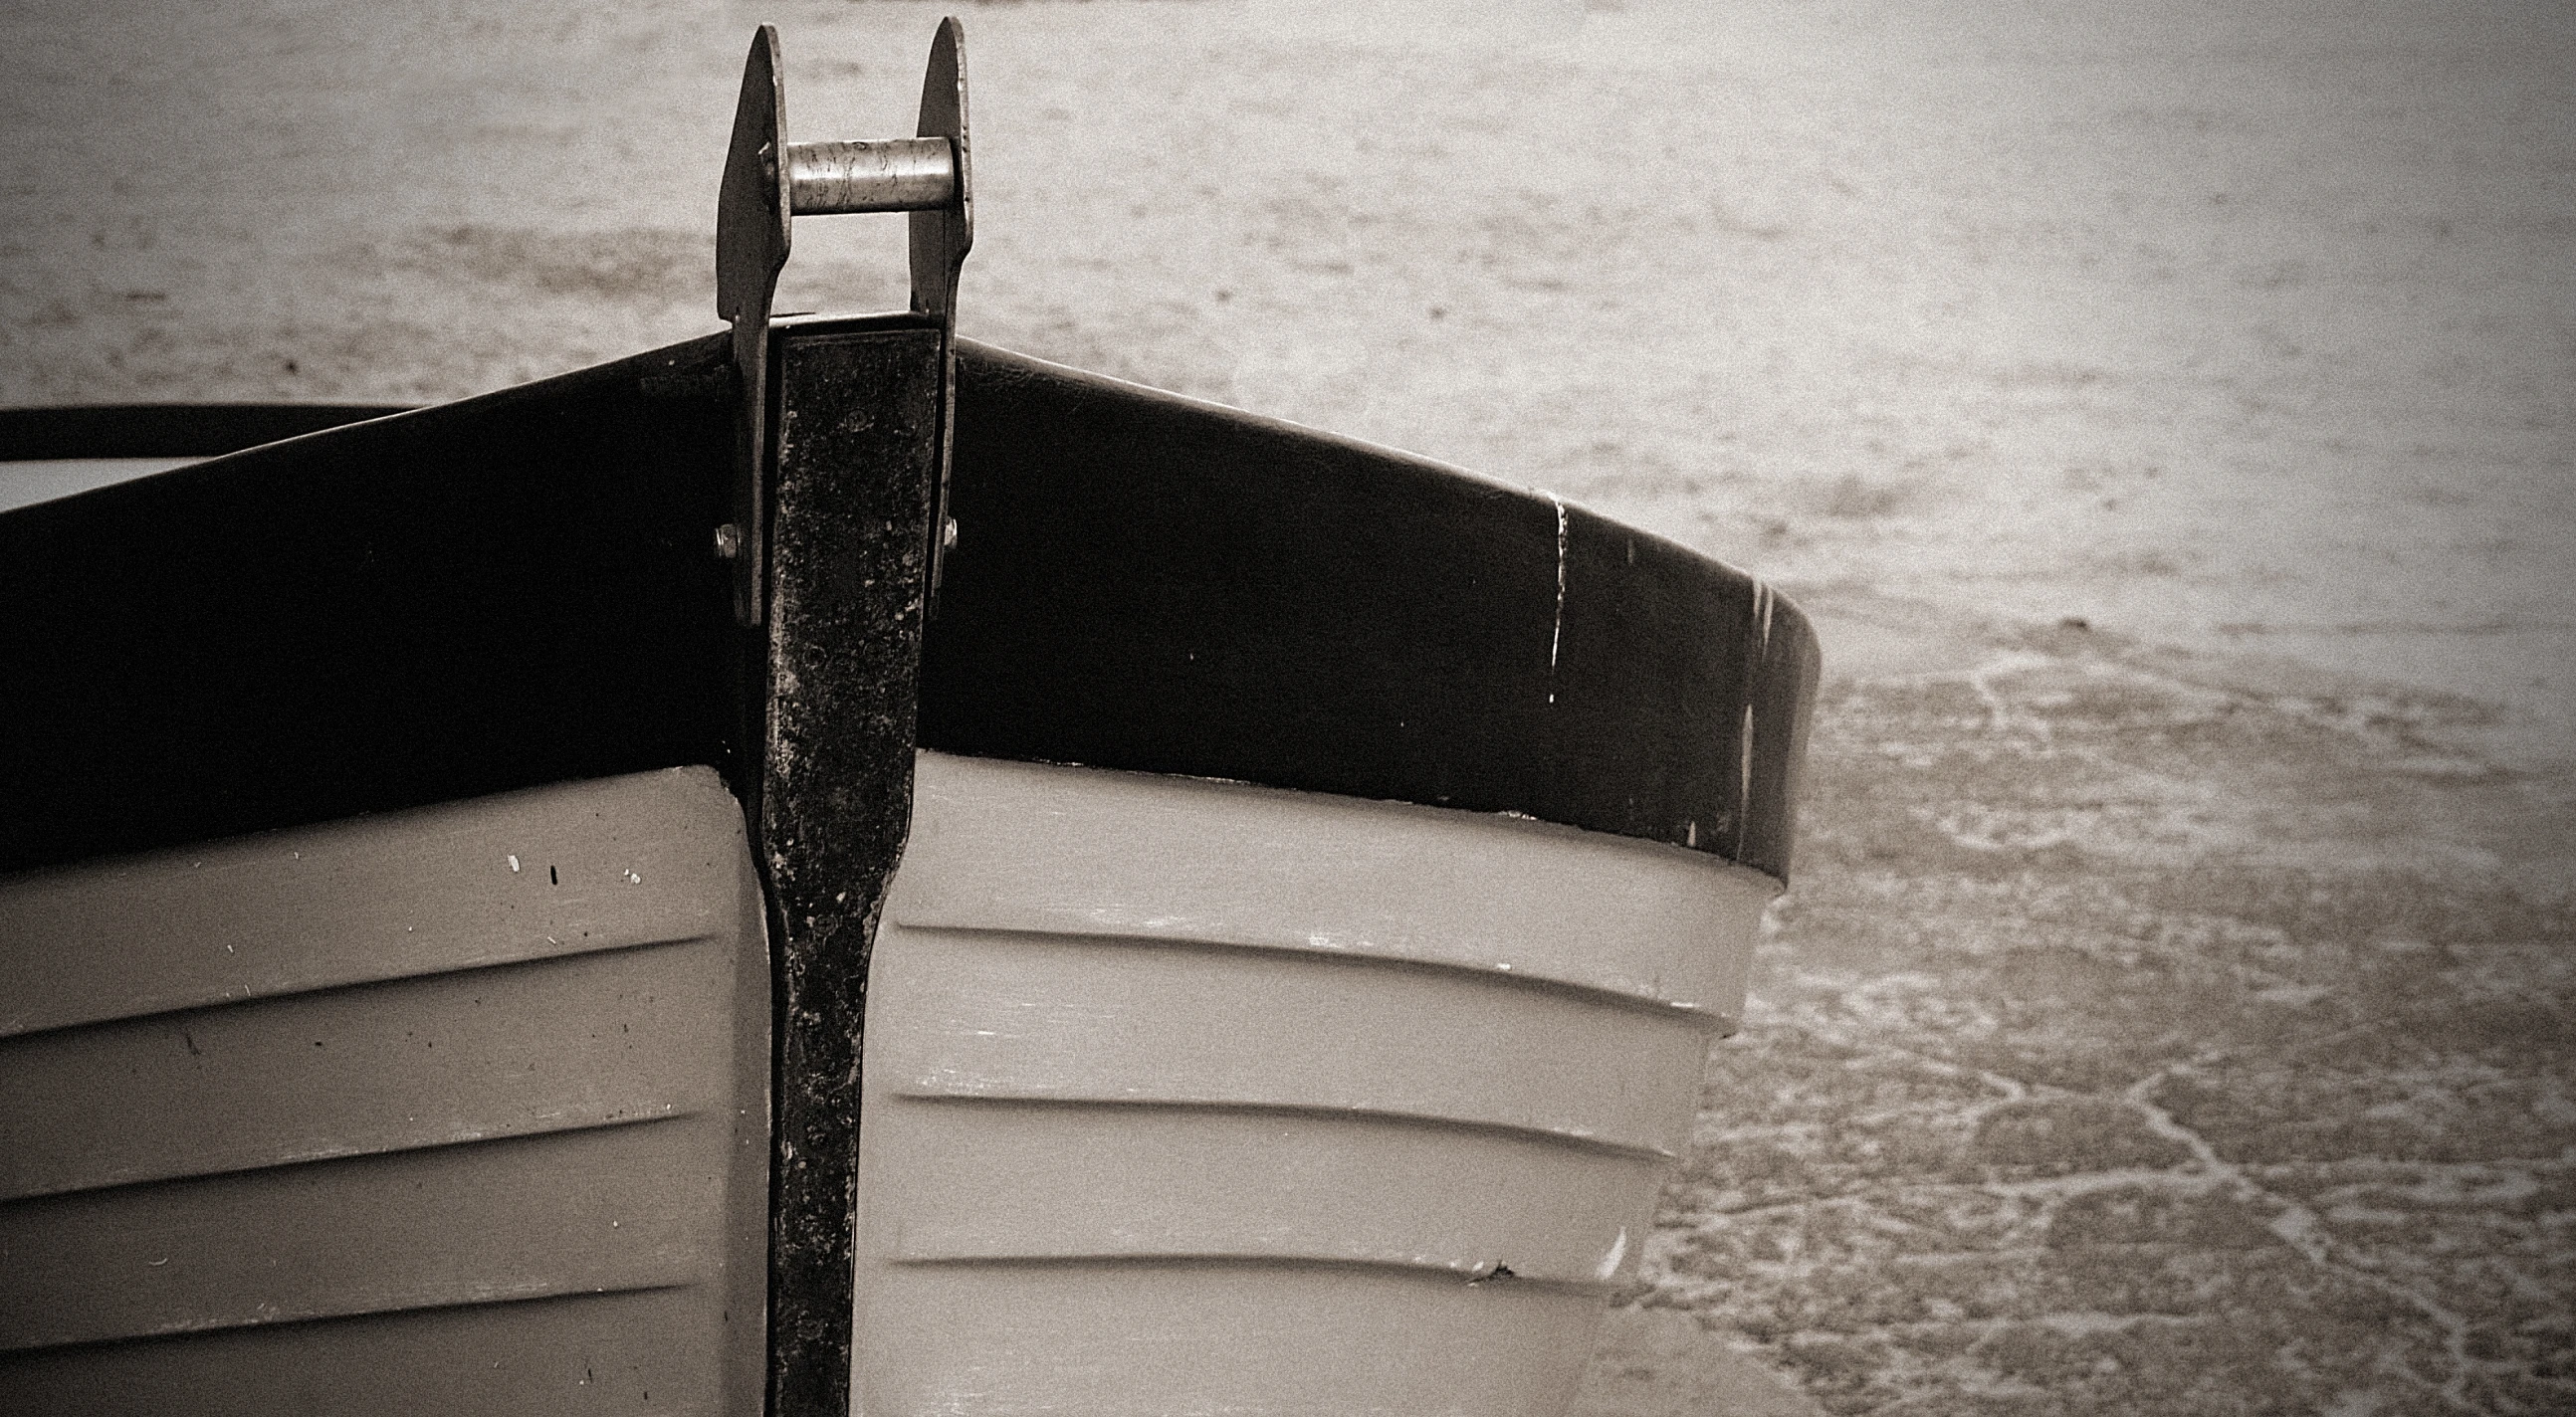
[[372, 1116], [1193, 1096]]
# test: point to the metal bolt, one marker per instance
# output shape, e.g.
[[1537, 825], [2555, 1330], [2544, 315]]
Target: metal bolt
[[885, 175]]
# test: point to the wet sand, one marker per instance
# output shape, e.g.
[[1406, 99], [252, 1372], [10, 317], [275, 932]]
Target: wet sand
[[2166, 411]]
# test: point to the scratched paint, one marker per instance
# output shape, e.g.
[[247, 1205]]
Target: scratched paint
[[1556, 628]]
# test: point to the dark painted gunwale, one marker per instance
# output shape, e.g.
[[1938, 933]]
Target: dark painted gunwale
[[1141, 581], [168, 430], [445, 603], [1158, 583]]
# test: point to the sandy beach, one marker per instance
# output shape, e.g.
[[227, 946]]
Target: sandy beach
[[2168, 412]]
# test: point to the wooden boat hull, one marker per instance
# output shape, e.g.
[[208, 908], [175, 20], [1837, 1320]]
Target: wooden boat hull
[[1316, 1046], [1175, 1087], [458, 1109]]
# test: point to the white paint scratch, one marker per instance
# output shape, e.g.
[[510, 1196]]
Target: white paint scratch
[[1744, 780], [1556, 633], [1763, 598], [1609, 1266]]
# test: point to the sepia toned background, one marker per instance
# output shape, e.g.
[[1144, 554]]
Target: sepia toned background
[[2165, 409]]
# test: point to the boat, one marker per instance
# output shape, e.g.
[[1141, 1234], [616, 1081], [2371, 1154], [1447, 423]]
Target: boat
[[832, 867]]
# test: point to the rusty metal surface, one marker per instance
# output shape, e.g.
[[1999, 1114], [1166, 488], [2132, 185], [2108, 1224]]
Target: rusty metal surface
[[857, 461]]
